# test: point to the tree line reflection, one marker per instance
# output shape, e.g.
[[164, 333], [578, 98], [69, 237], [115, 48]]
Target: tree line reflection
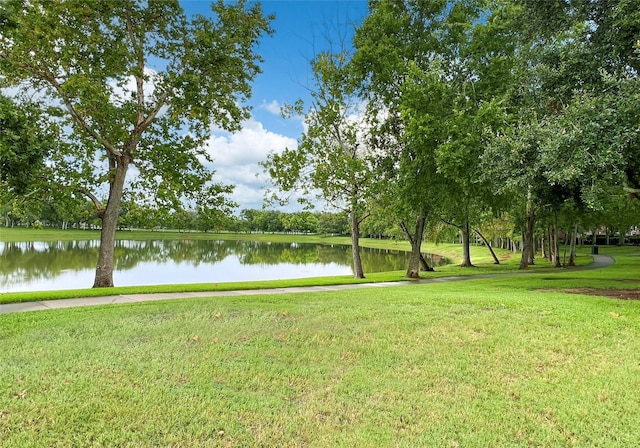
[[29, 261]]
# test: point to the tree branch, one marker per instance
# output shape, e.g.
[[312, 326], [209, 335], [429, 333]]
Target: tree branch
[[140, 76], [366, 215], [50, 78], [404, 228], [149, 119], [96, 202], [449, 223]]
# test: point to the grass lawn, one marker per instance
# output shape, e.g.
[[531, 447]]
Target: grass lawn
[[510, 361]]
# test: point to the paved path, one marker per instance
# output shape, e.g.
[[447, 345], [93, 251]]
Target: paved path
[[600, 261]]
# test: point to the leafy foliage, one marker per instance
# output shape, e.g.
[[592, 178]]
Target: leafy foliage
[[25, 143]]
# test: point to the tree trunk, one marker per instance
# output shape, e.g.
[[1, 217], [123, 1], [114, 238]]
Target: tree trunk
[[572, 251], [425, 264], [104, 269], [416, 260], [358, 271], [486, 243], [466, 255], [556, 243], [532, 252], [552, 253], [527, 235]]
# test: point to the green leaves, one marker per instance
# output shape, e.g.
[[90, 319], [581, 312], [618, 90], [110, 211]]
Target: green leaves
[[211, 81], [25, 142], [333, 156]]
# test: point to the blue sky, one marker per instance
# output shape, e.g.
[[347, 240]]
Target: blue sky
[[303, 28]]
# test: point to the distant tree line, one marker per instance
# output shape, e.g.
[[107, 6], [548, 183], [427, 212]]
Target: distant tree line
[[79, 214], [617, 224]]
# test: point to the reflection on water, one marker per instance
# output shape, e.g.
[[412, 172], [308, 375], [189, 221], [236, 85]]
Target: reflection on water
[[39, 266]]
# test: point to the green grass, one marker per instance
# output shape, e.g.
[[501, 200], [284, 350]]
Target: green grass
[[509, 361], [461, 364]]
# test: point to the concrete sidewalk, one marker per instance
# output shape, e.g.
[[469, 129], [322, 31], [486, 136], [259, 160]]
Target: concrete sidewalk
[[599, 261]]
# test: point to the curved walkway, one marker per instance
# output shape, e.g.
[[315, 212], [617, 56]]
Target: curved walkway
[[599, 261]]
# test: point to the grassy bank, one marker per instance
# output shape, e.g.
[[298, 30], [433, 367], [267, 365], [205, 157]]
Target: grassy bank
[[480, 256], [512, 362]]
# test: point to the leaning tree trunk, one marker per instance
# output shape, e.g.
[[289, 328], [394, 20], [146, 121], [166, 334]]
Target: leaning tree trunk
[[466, 253], [104, 269], [486, 243], [358, 271]]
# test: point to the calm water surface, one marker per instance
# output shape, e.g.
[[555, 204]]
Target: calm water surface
[[46, 266]]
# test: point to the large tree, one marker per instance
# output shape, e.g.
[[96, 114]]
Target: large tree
[[333, 159], [393, 44], [583, 62], [137, 83], [474, 56]]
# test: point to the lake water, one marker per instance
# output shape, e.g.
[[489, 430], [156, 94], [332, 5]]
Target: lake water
[[47, 266]]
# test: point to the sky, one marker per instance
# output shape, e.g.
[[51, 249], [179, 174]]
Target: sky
[[302, 29]]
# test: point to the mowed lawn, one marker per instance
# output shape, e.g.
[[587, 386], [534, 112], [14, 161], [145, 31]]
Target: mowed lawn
[[495, 362]]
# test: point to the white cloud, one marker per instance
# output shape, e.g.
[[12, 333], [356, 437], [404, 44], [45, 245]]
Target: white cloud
[[237, 160], [273, 107]]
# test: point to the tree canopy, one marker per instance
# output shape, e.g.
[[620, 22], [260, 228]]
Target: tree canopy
[[487, 100]]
